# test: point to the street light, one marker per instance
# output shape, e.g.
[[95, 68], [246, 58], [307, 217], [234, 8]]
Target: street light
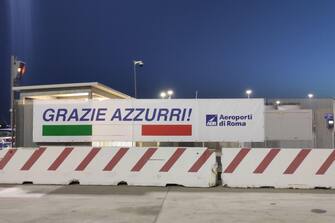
[[248, 92], [167, 94], [170, 93], [163, 94], [277, 102], [310, 95], [139, 63]]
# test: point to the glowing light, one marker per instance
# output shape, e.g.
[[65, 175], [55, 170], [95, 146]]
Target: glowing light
[[248, 92], [163, 94]]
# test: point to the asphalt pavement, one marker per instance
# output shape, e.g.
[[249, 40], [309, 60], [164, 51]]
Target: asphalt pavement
[[77, 203]]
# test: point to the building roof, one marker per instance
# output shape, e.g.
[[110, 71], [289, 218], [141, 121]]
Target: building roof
[[96, 85]]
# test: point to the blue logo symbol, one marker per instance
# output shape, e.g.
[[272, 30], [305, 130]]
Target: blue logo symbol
[[329, 116], [211, 120]]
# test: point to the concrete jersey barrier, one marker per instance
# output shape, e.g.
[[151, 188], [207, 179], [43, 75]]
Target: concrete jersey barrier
[[279, 168], [190, 167]]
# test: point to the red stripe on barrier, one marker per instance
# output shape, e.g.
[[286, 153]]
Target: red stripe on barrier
[[297, 161], [166, 130], [88, 159], [9, 154], [267, 160], [116, 158], [175, 156], [33, 158], [237, 160], [200, 162], [64, 154], [144, 159], [326, 164]]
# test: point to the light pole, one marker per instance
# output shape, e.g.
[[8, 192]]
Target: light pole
[[139, 63], [311, 96], [17, 70], [248, 92]]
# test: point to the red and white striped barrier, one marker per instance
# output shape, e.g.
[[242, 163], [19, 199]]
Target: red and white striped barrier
[[279, 168], [191, 167]]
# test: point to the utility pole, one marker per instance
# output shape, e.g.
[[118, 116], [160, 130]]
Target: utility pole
[[13, 71], [135, 81], [17, 69], [135, 63]]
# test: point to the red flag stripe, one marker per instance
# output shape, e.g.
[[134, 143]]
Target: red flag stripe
[[33, 158], [175, 156], [166, 130], [116, 158], [144, 159], [326, 164], [297, 161], [200, 162], [88, 159], [9, 154], [237, 160], [60, 159], [267, 160]]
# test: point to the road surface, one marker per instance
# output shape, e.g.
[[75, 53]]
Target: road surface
[[76, 203]]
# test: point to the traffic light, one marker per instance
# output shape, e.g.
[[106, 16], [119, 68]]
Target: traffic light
[[21, 69], [18, 69]]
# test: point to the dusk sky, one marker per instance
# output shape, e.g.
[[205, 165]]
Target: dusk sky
[[278, 48]]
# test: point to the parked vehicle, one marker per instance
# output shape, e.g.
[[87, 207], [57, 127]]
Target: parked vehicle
[[5, 138]]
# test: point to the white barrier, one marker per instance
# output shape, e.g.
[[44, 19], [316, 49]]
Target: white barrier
[[191, 167], [279, 168]]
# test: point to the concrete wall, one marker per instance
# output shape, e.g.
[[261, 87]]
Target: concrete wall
[[24, 125], [294, 125]]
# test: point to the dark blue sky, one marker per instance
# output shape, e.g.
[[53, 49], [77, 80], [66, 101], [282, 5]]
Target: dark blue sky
[[279, 48]]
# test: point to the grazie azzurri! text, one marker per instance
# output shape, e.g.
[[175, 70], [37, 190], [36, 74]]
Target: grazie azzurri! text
[[119, 114]]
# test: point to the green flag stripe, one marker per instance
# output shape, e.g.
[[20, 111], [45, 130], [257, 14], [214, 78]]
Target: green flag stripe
[[67, 130]]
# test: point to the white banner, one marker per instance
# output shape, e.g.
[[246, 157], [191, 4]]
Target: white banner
[[188, 120]]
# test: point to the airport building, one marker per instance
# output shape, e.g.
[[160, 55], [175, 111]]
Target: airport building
[[27, 94]]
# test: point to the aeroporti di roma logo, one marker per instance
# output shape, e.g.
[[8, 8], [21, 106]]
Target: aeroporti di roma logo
[[211, 120]]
